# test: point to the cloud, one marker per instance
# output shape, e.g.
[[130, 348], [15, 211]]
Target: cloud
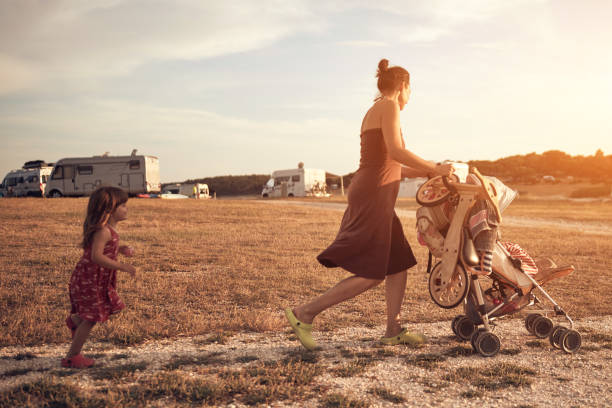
[[362, 43], [79, 39], [429, 21], [191, 142], [16, 74]]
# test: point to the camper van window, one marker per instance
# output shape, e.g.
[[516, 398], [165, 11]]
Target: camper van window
[[32, 179], [134, 164], [279, 180], [58, 173], [295, 178], [85, 170], [11, 182], [20, 180]]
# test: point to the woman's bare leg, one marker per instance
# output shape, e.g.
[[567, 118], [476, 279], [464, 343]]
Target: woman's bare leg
[[80, 335], [395, 287], [345, 289]]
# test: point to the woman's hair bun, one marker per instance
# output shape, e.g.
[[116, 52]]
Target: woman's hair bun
[[383, 65]]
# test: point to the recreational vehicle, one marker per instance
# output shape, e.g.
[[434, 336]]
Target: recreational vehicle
[[191, 190], [409, 186], [298, 182], [28, 181], [80, 176]]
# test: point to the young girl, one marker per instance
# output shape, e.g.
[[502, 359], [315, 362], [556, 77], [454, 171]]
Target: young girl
[[93, 295]]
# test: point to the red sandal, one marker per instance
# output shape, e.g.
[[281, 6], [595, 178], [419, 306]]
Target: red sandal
[[77, 361]]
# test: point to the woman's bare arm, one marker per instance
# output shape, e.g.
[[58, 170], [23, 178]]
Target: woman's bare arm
[[412, 173], [392, 136]]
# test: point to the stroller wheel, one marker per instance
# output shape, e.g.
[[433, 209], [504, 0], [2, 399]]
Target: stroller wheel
[[454, 324], [432, 193], [542, 327], [487, 344], [448, 296], [555, 336], [571, 341], [464, 328], [529, 321], [475, 337]]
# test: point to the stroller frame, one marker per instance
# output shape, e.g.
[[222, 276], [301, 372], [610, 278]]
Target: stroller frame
[[455, 280]]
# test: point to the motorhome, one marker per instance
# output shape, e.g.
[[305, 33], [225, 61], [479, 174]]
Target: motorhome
[[298, 182], [409, 186], [191, 190], [28, 181], [80, 176]]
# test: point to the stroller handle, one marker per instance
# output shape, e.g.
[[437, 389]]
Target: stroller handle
[[486, 189]]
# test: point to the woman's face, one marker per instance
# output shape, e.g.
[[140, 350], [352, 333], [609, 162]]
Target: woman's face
[[404, 95]]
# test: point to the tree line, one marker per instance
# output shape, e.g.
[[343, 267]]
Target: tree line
[[518, 168], [532, 167], [234, 185]]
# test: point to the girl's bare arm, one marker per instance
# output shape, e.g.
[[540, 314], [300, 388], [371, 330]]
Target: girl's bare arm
[[97, 253]]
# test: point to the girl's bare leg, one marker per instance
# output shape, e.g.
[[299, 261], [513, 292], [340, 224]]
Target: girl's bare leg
[[395, 287], [80, 335], [76, 319], [345, 289]]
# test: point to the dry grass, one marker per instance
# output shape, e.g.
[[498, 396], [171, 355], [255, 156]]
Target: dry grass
[[215, 267], [542, 190], [496, 376], [596, 211]]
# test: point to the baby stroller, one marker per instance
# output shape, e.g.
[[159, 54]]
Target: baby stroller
[[459, 221]]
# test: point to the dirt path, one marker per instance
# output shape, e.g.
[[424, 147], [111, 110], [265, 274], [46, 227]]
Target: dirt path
[[528, 372], [585, 227]]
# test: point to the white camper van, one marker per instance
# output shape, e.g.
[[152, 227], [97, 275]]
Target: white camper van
[[80, 176], [409, 186], [298, 182], [191, 190], [28, 181]]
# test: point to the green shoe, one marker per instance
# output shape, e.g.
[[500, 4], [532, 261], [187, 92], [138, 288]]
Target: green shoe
[[302, 330], [405, 337]]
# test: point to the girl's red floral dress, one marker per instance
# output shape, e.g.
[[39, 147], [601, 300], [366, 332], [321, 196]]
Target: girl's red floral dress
[[93, 293]]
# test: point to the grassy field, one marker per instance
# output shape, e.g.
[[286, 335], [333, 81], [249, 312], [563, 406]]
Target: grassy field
[[208, 266], [219, 267]]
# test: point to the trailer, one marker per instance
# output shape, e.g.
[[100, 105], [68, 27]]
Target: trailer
[[29, 181], [80, 176], [298, 182], [191, 190]]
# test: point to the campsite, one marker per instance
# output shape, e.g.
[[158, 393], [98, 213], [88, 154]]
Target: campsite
[[205, 320], [305, 204]]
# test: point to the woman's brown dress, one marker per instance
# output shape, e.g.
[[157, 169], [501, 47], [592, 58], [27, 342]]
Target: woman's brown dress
[[371, 242]]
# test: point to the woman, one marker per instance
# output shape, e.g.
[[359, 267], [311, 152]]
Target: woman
[[371, 243]]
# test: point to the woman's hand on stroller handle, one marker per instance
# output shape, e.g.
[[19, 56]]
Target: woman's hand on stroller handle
[[444, 169]]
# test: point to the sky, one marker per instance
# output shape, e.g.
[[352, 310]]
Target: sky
[[248, 87]]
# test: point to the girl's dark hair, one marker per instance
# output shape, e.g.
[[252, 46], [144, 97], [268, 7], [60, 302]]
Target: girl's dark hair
[[390, 79], [102, 203]]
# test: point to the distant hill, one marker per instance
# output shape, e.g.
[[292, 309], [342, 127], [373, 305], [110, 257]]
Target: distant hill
[[532, 167], [520, 168]]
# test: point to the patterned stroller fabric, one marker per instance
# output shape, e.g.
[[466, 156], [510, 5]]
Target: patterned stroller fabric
[[528, 265]]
